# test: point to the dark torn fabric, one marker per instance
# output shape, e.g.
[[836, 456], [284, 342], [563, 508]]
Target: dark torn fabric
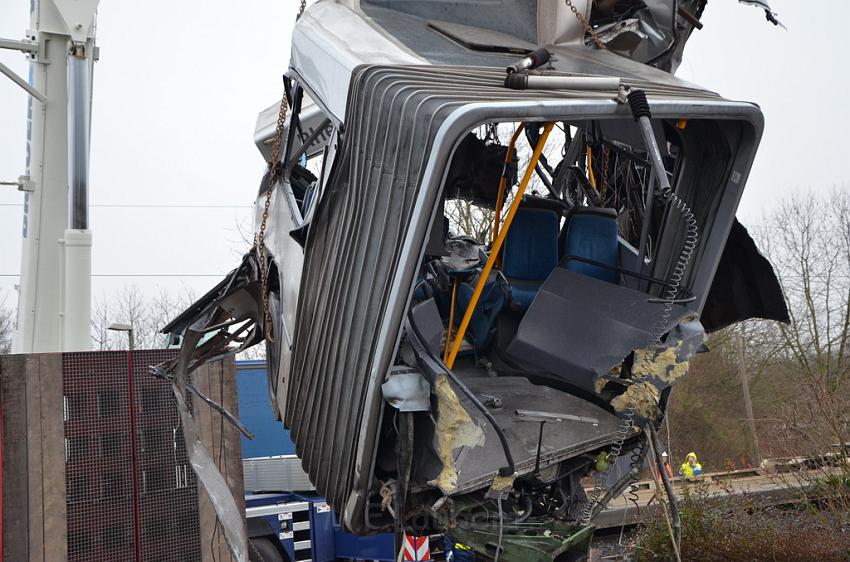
[[745, 285], [353, 252]]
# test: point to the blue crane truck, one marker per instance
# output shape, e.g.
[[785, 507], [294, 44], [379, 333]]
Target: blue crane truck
[[287, 521]]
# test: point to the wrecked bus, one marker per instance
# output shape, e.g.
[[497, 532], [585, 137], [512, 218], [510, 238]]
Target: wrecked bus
[[478, 380]]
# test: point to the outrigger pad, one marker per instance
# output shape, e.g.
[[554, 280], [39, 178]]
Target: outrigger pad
[[579, 327]]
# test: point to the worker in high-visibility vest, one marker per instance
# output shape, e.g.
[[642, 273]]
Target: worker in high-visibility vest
[[691, 467], [457, 552]]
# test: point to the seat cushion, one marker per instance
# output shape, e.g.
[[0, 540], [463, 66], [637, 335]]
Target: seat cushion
[[592, 234], [523, 292], [530, 253], [531, 245]]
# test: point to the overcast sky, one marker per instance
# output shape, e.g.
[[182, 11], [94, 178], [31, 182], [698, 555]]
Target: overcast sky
[[179, 85]]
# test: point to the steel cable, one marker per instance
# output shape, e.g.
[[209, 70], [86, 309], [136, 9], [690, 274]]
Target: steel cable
[[640, 110]]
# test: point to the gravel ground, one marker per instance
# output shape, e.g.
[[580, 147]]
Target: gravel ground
[[608, 544]]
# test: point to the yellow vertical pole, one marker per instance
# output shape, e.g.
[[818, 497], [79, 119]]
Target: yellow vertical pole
[[497, 245], [500, 197], [590, 175], [451, 320]]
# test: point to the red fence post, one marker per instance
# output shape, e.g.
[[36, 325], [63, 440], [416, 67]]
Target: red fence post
[[131, 390]]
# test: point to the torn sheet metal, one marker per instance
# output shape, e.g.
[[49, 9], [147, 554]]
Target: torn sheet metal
[[222, 323], [228, 513], [159, 372], [689, 337], [407, 390], [658, 366], [230, 310], [624, 36], [769, 14], [655, 31]]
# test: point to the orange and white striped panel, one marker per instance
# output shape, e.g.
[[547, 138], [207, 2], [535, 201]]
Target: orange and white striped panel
[[416, 549]]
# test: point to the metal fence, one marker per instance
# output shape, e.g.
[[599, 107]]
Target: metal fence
[[131, 494]]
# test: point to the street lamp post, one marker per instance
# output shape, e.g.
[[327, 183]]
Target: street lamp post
[[131, 391], [124, 328]]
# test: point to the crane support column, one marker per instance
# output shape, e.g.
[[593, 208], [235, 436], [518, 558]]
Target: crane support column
[[55, 288], [77, 241]]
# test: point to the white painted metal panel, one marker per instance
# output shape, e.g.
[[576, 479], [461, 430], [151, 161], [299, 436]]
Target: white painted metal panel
[[279, 474], [329, 41]]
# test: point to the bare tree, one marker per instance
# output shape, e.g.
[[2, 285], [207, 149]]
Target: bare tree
[[797, 373], [244, 229], [468, 219], [101, 318], [808, 240], [147, 315]]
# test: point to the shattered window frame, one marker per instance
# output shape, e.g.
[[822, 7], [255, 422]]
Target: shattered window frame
[[321, 133]]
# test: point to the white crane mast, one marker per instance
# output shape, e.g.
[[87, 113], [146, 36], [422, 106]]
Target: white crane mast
[[54, 298]]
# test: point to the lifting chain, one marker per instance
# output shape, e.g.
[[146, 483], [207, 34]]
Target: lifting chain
[[259, 241], [274, 177], [586, 25]]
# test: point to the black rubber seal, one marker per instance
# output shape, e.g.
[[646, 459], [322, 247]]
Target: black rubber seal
[[539, 57], [516, 81], [535, 58], [639, 105]]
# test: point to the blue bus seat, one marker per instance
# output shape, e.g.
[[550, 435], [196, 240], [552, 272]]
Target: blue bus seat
[[591, 233], [530, 253]]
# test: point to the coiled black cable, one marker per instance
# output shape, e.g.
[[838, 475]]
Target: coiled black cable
[[642, 114]]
